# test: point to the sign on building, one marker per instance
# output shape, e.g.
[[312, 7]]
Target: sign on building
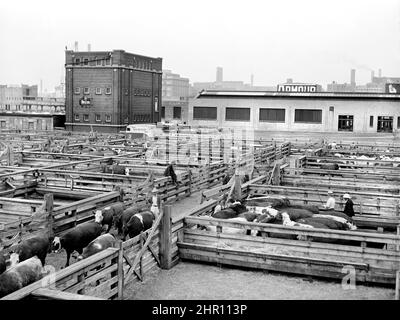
[[393, 88], [85, 102], [298, 87]]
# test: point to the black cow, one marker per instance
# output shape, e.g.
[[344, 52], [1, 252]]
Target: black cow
[[331, 224], [77, 238], [274, 202], [137, 223], [309, 207], [21, 275], [36, 246], [121, 220], [106, 215], [227, 213], [3, 262]]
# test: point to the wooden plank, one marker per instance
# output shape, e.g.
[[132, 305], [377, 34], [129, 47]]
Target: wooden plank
[[60, 295]]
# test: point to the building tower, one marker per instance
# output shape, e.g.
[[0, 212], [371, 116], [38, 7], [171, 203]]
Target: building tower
[[219, 74]]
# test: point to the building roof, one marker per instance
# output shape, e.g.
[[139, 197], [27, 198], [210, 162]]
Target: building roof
[[305, 95]]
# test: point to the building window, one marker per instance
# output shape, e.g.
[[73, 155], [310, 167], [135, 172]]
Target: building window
[[77, 90], [3, 124], [108, 90], [7, 107], [98, 90], [345, 123], [237, 114], [308, 115], [162, 112], [99, 62], [76, 117], [156, 104], [177, 113], [98, 118], [86, 90], [371, 121], [385, 124], [86, 117], [108, 118], [398, 122], [108, 61], [77, 61], [204, 113], [86, 61], [272, 115]]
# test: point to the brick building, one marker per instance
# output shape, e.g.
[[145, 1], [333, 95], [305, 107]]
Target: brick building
[[108, 90]]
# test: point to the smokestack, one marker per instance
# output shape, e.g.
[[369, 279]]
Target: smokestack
[[76, 45], [372, 75], [380, 73], [41, 87], [219, 74], [252, 80], [89, 47], [353, 77]]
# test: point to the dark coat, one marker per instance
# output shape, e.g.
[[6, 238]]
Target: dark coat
[[36, 246], [169, 172], [79, 237], [348, 208]]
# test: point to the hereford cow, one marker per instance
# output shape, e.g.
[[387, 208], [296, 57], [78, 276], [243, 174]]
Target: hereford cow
[[101, 243], [20, 275], [137, 223], [36, 246], [120, 220], [106, 216], [77, 238]]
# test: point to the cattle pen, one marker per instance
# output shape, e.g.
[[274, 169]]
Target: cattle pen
[[281, 168]]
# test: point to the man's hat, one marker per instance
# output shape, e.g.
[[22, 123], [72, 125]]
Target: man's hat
[[346, 196], [330, 192]]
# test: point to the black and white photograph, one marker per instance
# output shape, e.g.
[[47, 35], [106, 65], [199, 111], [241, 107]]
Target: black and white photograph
[[199, 155]]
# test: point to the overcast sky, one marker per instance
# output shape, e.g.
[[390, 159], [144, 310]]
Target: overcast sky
[[308, 40]]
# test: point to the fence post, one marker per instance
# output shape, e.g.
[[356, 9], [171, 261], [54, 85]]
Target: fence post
[[397, 294], [121, 271], [165, 238], [48, 198]]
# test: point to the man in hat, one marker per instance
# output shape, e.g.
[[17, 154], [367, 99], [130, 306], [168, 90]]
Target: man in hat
[[348, 207], [330, 203]]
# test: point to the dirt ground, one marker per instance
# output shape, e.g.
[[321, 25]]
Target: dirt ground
[[195, 281]]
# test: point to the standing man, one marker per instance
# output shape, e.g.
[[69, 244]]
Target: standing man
[[348, 207], [170, 172], [330, 203]]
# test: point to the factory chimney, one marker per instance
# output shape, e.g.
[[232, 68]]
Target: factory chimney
[[380, 73], [252, 79], [76, 45], [89, 47], [219, 74], [353, 77], [372, 75]]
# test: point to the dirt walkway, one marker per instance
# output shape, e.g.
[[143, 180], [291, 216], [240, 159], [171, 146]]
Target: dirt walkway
[[202, 281]]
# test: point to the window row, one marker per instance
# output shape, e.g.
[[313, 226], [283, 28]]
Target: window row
[[97, 117], [86, 90], [267, 115], [93, 61]]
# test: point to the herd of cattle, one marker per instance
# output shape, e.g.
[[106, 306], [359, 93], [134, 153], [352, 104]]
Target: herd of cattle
[[279, 210], [24, 262]]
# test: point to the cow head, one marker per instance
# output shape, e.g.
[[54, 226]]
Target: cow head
[[98, 216], [14, 259], [127, 171], [286, 219], [56, 244]]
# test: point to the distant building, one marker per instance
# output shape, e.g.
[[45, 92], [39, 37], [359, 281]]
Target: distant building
[[297, 111], [175, 97], [22, 109], [108, 90]]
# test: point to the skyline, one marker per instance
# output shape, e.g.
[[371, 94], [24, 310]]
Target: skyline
[[307, 41]]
